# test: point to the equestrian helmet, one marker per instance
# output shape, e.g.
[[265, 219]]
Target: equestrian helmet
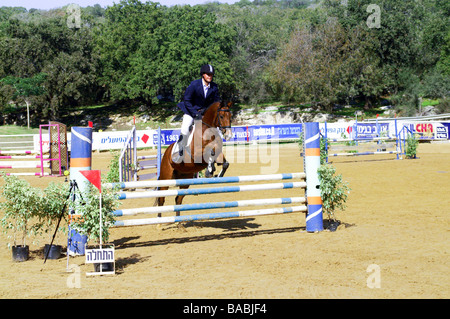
[[207, 68]]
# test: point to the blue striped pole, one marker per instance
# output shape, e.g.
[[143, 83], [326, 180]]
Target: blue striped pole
[[80, 160], [396, 139], [205, 181], [177, 219], [158, 158], [214, 205], [314, 218], [363, 153], [216, 190]]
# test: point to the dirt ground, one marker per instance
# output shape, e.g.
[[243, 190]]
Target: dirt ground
[[394, 233]]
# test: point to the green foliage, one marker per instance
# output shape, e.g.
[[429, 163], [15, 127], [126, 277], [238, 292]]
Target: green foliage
[[316, 52], [31, 211], [27, 86], [147, 49], [444, 106], [89, 208], [323, 148], [325, 64], [333, 189], [259, 32], [112, 176], [53, 56], [412, 142], [54, 200], [21, 207]]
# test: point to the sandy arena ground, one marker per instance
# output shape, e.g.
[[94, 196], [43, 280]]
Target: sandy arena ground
[[397, 219]]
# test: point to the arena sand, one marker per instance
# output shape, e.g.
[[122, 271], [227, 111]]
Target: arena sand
[[397, 221]]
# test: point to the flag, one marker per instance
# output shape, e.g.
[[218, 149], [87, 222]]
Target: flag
[[94, 177]]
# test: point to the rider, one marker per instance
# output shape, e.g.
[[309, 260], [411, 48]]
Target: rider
[[200, 94]]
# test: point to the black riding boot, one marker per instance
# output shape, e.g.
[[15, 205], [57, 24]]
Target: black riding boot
[[182, 141]]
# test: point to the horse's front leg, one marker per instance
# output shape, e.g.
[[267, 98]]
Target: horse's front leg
[[221, 160], [211, 168]]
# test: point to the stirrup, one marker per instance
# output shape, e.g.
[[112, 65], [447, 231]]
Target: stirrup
[[178, 156]]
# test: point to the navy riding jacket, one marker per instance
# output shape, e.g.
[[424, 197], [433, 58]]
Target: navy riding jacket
[[195, 102]]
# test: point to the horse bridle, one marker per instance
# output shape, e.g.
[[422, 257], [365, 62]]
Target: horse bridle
[[220, 109]]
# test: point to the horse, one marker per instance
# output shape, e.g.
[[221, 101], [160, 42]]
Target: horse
[[204, 150]]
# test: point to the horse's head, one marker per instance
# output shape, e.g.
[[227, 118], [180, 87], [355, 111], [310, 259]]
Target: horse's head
[[223, 120]]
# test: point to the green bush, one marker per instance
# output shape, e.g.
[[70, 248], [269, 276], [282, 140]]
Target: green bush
[[21, 206], [411, 146], [323, 148], [333, 189], [89, 208], [113, 174], [54, 201]]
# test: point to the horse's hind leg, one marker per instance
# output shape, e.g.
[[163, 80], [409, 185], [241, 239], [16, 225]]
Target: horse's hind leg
[[160, 200], [166, 172], [179, 199]]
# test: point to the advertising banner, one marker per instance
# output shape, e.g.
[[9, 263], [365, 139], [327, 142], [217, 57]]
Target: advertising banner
[[272, 132]]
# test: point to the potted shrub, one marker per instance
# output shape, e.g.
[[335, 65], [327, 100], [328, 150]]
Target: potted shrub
[[55, 200], [412, 142], [334, 192], [21, 207], [89, 224]]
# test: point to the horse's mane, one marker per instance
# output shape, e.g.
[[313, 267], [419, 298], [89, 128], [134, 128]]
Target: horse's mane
[[213, 106]]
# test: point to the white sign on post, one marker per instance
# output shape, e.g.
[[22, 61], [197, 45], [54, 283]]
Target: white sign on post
[[100, 256]]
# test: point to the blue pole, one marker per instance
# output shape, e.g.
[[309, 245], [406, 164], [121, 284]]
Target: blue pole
[[80, 160], [314, 218], [158, 169]]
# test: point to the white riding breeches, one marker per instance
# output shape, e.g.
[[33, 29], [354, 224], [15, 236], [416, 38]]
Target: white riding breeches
[[187, 122]]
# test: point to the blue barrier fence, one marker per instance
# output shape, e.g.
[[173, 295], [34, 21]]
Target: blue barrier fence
[[280, 132]]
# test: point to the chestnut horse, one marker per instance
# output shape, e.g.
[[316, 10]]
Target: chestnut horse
[[205, 148]]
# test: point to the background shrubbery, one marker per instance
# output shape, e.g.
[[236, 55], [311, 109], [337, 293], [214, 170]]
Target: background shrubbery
[[312, 52]]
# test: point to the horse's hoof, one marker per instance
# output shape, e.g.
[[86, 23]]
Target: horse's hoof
[[180, 226]]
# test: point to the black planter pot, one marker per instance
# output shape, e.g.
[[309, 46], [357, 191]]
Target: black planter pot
[[54, 253], [20, 253], [105, 267]]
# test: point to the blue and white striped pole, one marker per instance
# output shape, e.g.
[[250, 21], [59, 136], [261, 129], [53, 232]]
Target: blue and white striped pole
[[314, 218], [80, 160]]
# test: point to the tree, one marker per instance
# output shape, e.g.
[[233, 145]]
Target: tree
[[25, 88], [117, 43], [325, 64], [259, 32], [410, 37], [146, 49], [188, 38], [65, 55]]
